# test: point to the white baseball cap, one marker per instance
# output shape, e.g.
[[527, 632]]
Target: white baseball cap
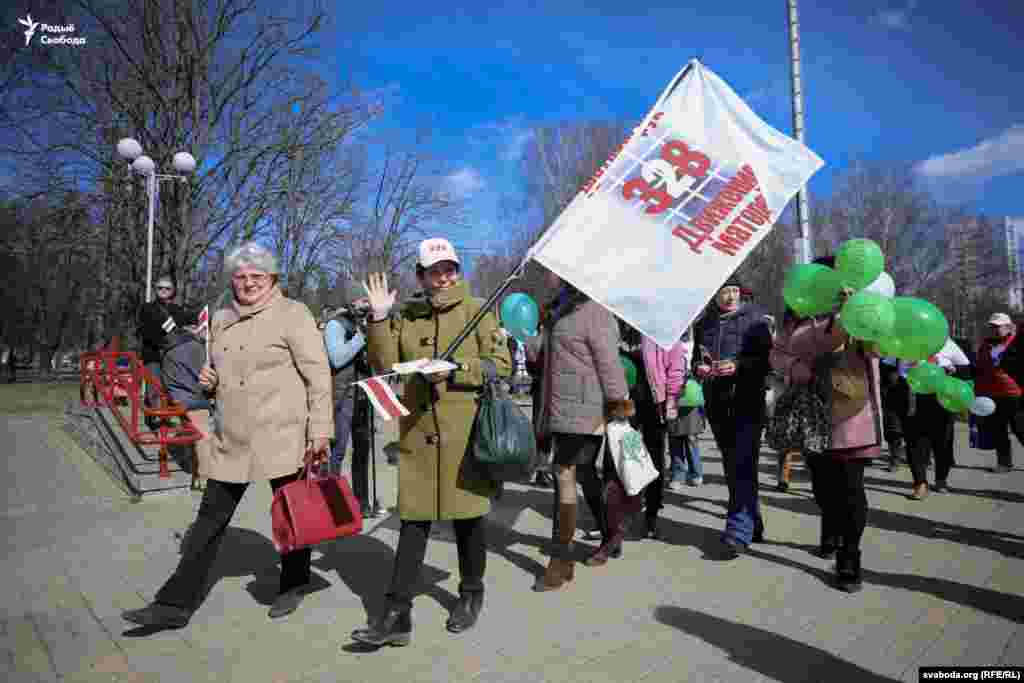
[[435, 250], [1000, 319]]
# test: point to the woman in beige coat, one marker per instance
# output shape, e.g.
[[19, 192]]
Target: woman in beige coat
[[436, 477], [272, 385]]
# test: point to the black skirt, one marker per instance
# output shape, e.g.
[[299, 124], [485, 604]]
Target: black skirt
[[575, 449]]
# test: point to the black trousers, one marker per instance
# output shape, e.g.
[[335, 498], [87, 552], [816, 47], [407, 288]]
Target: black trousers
[[838, 488], [931, 428], [653, 430], [470, 539], [1000, 423], [186, 586]]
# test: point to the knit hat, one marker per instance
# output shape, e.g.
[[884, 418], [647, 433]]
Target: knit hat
[[732, 281]]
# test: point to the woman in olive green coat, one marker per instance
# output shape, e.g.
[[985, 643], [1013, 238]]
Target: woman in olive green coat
[[437, 479]]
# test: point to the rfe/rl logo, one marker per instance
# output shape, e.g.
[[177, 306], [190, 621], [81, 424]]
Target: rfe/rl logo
[[27, 21]]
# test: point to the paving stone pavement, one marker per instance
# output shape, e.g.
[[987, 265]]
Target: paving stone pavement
[[944, 585]]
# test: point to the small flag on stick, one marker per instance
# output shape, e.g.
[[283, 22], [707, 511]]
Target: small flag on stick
[[203, 326], [382, 398]]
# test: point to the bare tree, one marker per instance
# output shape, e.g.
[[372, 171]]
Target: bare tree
[[408, 201], [222, 79], [885, 203]]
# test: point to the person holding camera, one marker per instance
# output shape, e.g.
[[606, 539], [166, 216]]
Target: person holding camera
[[345, 339], [158, 319]]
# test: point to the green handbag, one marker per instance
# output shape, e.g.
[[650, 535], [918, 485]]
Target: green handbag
[[503, 440]]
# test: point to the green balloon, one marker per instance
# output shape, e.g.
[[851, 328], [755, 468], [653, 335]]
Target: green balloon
[[955, 395], [692, 396], [859, 263], [926, 378], [868, 316], [810, 289], [890, 348], [630, 369], [921, 328]]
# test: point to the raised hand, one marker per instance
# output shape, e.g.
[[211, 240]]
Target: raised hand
[[380, 298]]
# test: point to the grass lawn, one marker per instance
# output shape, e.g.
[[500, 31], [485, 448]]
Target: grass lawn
[[41, 398]]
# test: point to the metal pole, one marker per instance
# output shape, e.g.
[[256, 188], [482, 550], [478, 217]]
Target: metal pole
[[803, 246], [151, 191]]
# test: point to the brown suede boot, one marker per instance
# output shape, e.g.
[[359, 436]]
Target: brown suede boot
[[785, 470], [561, 568]]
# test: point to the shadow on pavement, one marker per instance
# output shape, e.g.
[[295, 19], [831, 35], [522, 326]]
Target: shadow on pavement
[[364, 564], [774, 656], [1004, 543], [1005, 605], [242, 552]]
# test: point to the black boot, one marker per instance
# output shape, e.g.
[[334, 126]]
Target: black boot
[[466, 611], [758, 531], [394, 627], [830, 542], [158, 615], [848, 571]]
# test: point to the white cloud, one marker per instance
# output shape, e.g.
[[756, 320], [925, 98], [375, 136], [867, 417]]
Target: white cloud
[[896, 19], [509, 136], [996, 156], [464, 182]]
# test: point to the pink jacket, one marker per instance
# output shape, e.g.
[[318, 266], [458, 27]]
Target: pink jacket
[[666, 370], [859, 436]]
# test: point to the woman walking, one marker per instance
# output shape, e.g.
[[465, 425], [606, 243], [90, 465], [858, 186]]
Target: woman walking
[[436, 480], [807, 349], [268, 372], [664, 373], [931, 426], [584, 385]]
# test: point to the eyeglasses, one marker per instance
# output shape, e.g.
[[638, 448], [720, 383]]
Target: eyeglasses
[[255, 279]]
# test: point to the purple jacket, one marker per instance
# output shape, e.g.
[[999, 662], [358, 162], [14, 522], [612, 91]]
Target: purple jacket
[[666, 370], [859, 436]]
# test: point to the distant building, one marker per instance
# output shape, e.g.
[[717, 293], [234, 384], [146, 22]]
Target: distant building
[[1013, 227]]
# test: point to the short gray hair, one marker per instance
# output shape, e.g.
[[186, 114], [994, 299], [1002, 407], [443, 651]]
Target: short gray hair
[[252, 255]]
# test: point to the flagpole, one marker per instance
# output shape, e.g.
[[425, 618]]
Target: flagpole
[[475, 320], [804, 249]]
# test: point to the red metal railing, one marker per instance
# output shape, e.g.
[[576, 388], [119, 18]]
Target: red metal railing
[[115, 378]]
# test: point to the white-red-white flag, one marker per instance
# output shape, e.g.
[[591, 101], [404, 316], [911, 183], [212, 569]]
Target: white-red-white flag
[[382, 398], [203, 327], [203, 323]]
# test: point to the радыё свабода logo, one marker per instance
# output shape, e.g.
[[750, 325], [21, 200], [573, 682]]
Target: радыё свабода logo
[[50, 28]]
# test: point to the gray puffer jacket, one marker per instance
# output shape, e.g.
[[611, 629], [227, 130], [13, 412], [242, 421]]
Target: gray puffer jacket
[[584, 383]]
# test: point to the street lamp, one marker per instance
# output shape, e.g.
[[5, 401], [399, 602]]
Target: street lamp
[[183, 161]]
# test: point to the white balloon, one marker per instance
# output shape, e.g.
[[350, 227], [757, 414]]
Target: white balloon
[[883, 285], [983, 406]]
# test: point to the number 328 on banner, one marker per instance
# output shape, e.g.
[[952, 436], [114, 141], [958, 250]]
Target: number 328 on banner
[[664, 180]]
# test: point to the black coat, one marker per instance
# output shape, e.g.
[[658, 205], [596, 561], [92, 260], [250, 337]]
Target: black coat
[[744, 338], [154, 338]]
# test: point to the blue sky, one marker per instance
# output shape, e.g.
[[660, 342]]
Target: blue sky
[[937, 84]]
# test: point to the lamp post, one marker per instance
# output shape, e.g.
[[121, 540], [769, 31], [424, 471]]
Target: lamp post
[[804, 242], [183, 161]]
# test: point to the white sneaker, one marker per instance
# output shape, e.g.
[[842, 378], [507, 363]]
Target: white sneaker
[[676, 486], [699, 481]]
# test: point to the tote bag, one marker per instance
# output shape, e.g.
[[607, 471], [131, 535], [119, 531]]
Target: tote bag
[[632, 461]]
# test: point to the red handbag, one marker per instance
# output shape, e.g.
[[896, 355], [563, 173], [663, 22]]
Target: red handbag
[[313, 509]]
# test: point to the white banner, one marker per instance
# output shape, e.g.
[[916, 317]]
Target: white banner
[[666, 220]]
